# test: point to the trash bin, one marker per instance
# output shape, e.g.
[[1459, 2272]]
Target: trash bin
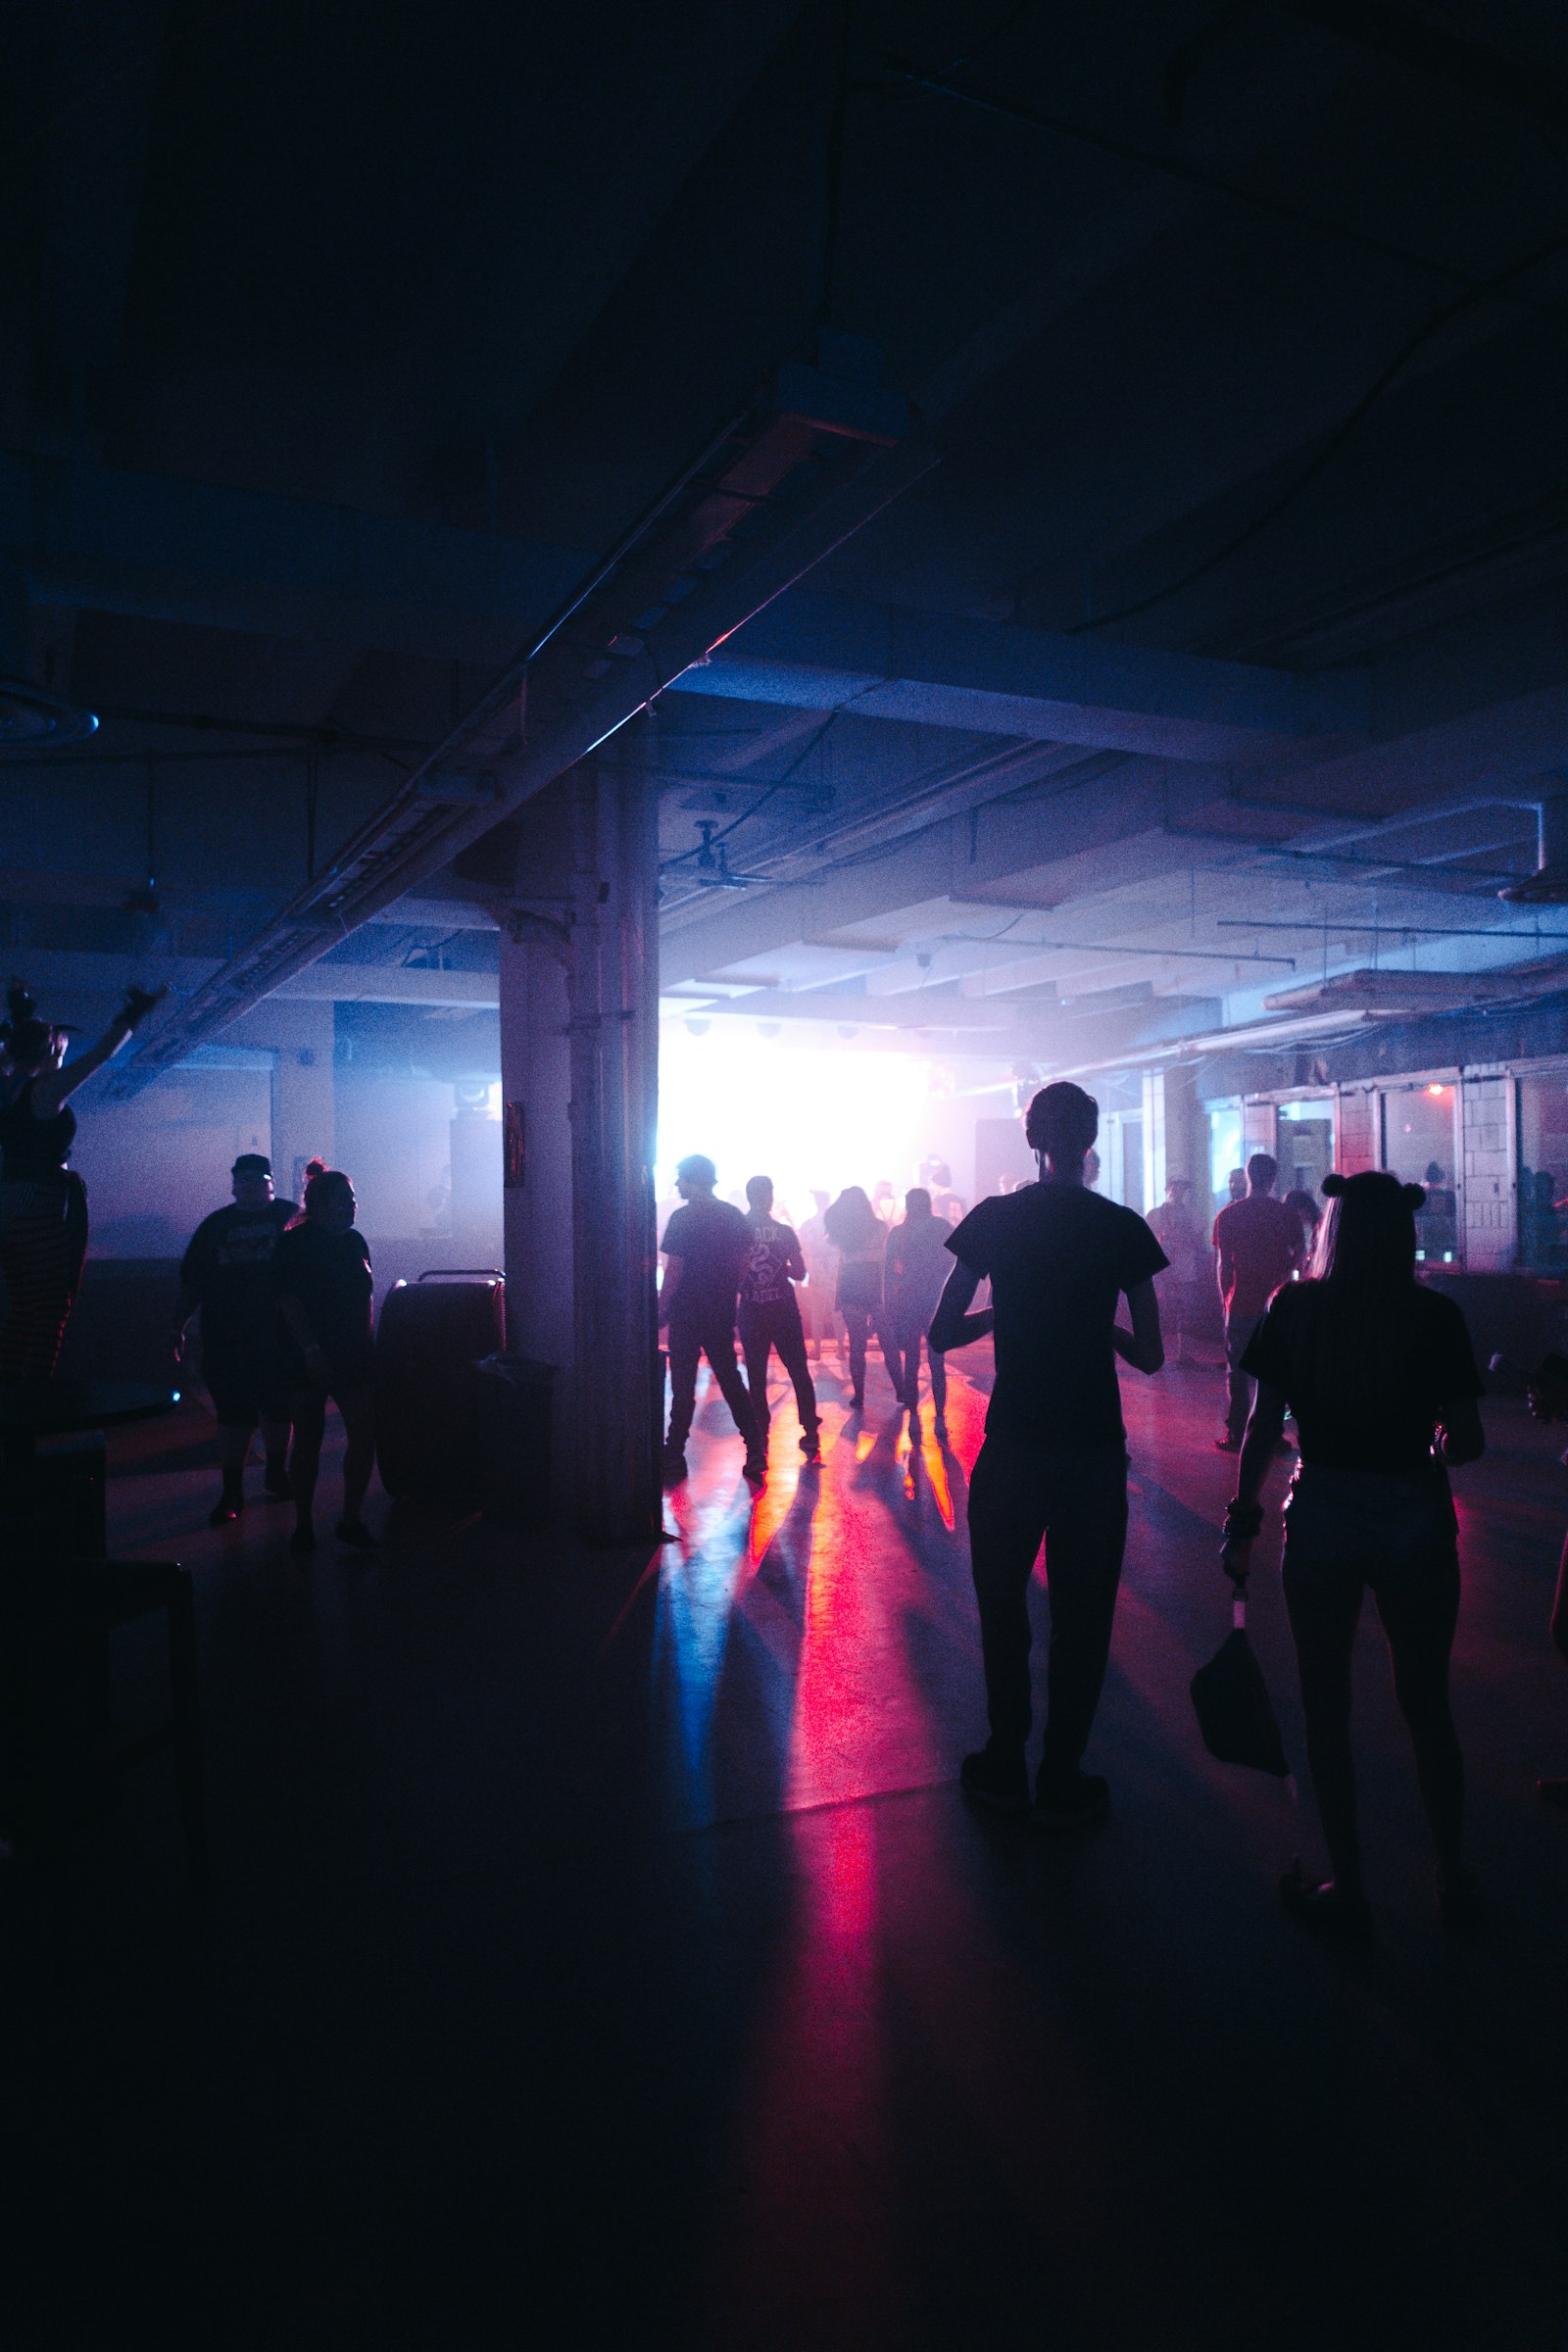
[[514, 1399], [431, 1334]]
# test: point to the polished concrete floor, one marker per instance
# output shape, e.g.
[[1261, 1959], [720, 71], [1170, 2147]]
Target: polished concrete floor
[[601, 1952]]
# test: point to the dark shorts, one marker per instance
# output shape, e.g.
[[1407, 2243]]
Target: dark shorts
[[245, 1397]]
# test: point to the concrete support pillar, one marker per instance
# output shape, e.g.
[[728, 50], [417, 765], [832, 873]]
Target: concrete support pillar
[[536, 1099], [1177, 1116], [304, 1102], [614, 989], [579, 1074], [300, 1036]]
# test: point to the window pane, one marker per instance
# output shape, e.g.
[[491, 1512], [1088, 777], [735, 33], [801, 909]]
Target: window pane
[[1544, 1172], [1419, 1145], [1224, 1151], [1305, 1147]]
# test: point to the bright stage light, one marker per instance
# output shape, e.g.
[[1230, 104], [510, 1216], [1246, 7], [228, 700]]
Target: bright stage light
[[814, 1118]]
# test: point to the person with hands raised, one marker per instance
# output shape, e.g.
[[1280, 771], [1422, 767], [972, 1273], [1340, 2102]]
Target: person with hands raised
[[1381, 1377], [43, 1203]]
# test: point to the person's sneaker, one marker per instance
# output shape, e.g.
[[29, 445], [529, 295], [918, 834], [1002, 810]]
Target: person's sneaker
[[754, 1469], [1226, 1444], [357, 1536], [1319, 1904], [812, 1445], [301, 1542], [1554, 1793], [674, 1468], [225, 1510], [991, 1777], [1071, 1805]]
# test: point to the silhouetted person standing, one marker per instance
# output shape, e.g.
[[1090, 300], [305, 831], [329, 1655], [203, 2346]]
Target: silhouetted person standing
[[1259, 1245], [859, 1237], [705, 1246], [1054, 1464], [770, 1314], [325, 1291], [1172, 1227], [1380, 1375], [914, 1270], [1548, 1402], [229, 1273]]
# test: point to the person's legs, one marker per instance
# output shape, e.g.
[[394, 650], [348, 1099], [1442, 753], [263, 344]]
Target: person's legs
[[1006, 1520], [310, 1424], [358, 1409], [857, 1326], [685, 1347], [718, 1345], [1323, 1597], [274, 1443], [1239, 1330], [1086, 1535], [789, 1338], [757, 1344], [939, 1372], [233, 1445], [1419, 1605]]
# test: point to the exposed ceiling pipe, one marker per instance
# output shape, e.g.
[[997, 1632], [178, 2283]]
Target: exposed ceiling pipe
[[819, 453], [1548, 886]]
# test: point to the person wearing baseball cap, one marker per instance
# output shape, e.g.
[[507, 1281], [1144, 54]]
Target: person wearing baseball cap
[[228, 1272]]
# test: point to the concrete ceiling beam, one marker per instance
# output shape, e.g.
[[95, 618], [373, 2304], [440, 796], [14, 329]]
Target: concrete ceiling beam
[[827, 652]]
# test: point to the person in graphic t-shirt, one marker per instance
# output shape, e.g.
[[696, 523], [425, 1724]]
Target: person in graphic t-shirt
[[228, 1272], [914, 1270], [324, 1294], [1259, 1245], [770, 1315], [1053, 1465], [1380, 1375], [705, 1248]]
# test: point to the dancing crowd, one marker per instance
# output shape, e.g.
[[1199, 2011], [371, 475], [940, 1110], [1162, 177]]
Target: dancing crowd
[[1325, 1323]]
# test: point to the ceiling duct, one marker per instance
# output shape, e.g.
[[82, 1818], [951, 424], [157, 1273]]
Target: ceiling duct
[[1548, 886], [1399, 995], [816, 455]]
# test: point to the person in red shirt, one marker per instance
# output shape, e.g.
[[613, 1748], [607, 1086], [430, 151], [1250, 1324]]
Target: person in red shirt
[[1258, 1245]]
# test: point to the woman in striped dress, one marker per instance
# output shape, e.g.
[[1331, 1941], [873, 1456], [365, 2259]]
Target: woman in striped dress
[[43, 1205]]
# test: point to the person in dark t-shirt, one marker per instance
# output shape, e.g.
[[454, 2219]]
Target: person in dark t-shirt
[[1053, 1465], [324, 1294], [770, 1314], [917, 1267], [228, 1273], [1380, 1375], [705, 1246], [1259, 1245]]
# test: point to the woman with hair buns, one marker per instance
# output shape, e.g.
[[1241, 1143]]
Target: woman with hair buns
[[1381, 1377], [43, 1204], [325, 1291]]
